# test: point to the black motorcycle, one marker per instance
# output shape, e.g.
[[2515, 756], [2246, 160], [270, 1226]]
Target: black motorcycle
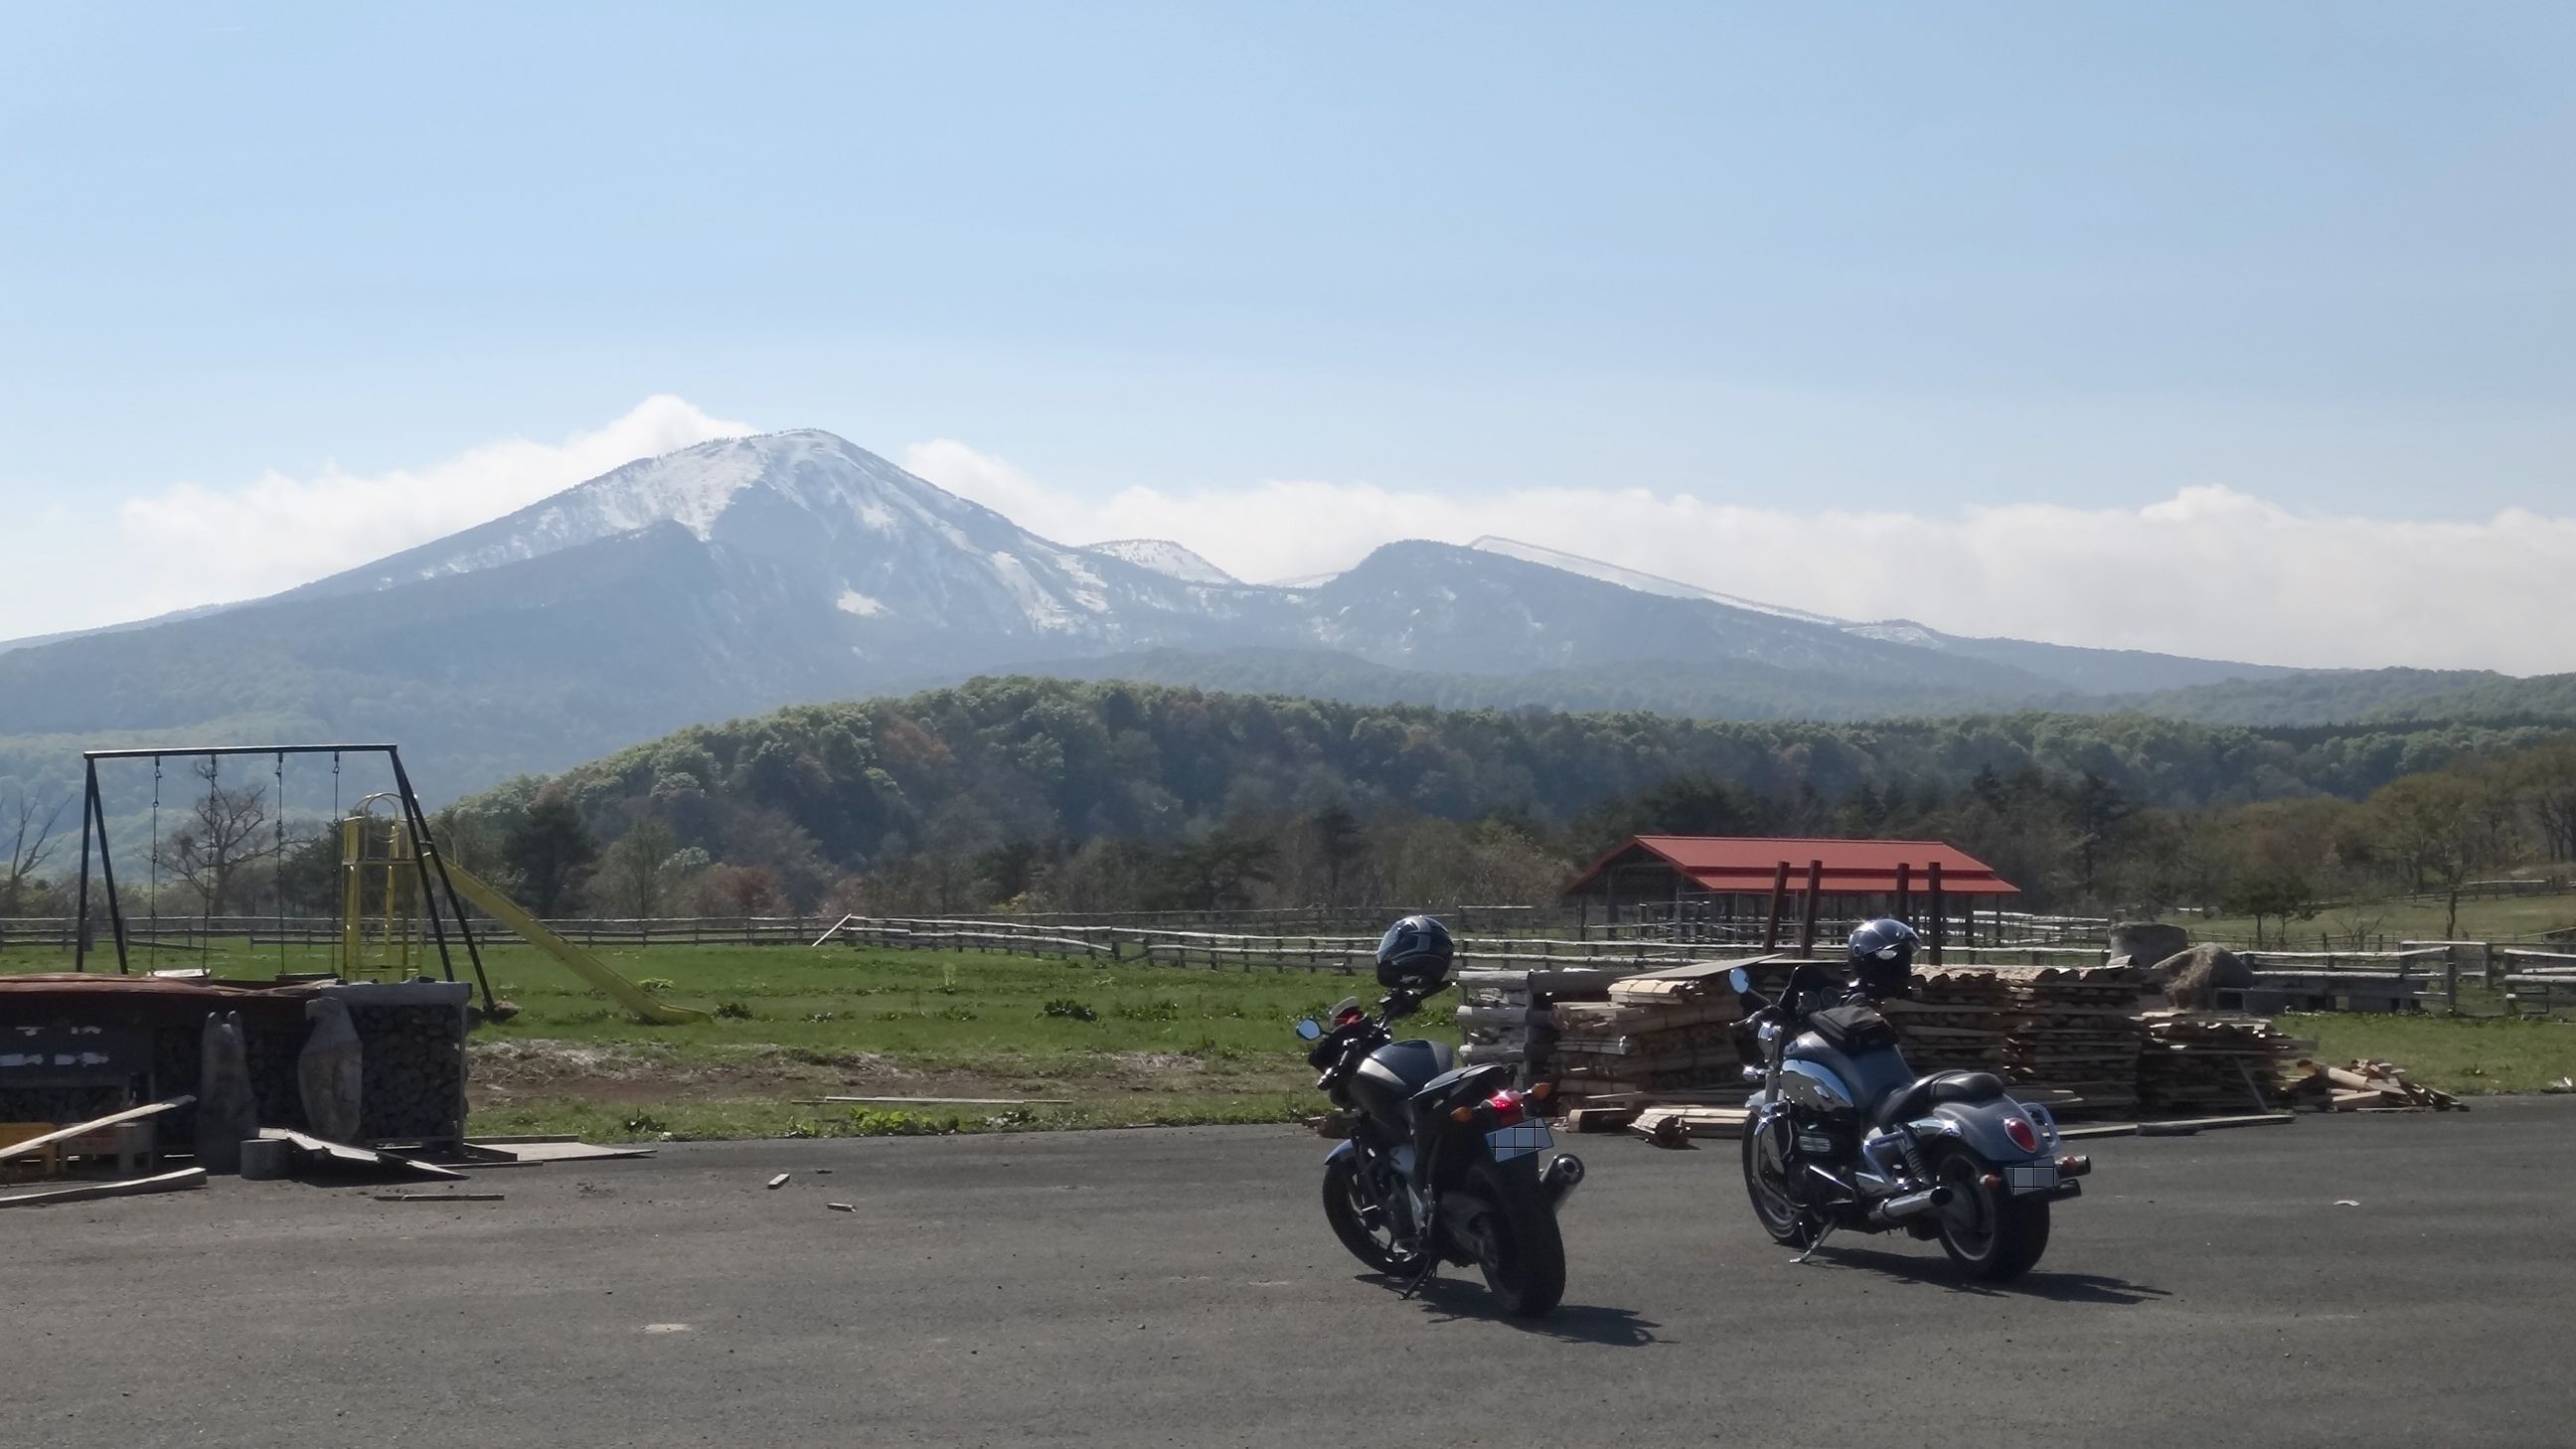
[[1440, 1162], [1844, 1135]]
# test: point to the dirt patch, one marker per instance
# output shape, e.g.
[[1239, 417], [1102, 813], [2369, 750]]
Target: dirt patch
[[505, 1073]]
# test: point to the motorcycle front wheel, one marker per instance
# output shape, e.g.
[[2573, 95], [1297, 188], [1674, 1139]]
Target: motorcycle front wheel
[[1987, 1231], [1361, 1221], [1766, 1182], [1510, 1229]]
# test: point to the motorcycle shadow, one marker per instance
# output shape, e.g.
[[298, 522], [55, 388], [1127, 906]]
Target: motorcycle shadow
[[1936, 1272], [1451, 1300]]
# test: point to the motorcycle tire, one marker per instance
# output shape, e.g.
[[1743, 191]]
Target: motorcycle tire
[[1990, 1233], [1518, 1248], [1788, 1224], [1360, 1222]]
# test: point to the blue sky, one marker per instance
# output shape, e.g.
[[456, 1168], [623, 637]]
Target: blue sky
[[1922, 259]]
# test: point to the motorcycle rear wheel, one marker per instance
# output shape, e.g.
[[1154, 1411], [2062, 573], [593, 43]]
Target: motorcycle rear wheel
[[1989, 1232], [1361, 1222], [1511, 1229], [1788, 1224]]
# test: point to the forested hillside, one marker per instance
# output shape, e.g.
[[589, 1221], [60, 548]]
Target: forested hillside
[[1030, 789]]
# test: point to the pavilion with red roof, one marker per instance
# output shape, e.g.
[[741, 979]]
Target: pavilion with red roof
[[1705, 877]]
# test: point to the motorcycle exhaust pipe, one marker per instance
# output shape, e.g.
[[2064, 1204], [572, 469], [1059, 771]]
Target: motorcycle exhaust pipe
[[1561, 1177], [1908, 1205]]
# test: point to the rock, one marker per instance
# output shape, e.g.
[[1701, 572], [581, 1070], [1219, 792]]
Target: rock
[[226, 1110], [2192, 976], [330, 1074], [2146, 943]]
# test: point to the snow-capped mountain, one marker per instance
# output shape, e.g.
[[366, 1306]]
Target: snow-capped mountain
[[1164, 557], [749, 573]]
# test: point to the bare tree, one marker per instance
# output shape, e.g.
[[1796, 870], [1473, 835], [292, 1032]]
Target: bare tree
[[31, 844], [224, 834]]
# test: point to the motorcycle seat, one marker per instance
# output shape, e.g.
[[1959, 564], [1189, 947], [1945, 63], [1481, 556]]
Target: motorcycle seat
[[1937, 1088]]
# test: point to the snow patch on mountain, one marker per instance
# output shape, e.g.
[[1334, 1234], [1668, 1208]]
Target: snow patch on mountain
[[854, 602], [1164, 557]]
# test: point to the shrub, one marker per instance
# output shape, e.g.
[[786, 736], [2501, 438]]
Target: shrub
[[1074, 1010]]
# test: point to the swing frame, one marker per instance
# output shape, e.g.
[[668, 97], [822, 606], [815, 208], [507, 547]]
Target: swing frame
[[431, 864]]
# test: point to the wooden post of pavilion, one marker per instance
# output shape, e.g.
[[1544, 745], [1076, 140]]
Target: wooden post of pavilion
[[1779, 899], [1904, 891], [1934, 872], [1807, 911]]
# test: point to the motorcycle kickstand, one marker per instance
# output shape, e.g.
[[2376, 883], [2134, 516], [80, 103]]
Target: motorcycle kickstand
[[1421, 1280], [1822, 1233]]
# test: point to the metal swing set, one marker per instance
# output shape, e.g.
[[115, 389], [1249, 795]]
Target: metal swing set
[[408, 873]]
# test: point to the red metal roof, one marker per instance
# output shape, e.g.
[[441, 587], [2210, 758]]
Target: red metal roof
[[1747, 864]]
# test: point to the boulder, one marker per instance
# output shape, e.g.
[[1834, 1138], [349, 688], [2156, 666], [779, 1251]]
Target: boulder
[[2192, 976], [2146, 943]]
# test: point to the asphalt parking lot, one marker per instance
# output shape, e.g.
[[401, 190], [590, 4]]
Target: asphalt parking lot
[[1179, 1287]]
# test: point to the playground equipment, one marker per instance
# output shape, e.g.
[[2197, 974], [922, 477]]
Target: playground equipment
[[388, 862], [376, 860]]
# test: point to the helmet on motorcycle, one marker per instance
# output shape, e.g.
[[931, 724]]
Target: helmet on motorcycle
[[1414, 956], [1882, 957]]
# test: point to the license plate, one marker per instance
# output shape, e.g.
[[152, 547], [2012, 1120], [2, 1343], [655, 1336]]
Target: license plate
[[2032, 1177], [1519, 1140]]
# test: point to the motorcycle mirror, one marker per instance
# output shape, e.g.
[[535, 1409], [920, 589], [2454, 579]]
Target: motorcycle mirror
[[1307, 1028], [1741, 980]]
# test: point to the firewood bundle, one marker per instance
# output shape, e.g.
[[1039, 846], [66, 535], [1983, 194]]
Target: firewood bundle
[[2366, 1086], [2199, 1062], [2053, 1032]]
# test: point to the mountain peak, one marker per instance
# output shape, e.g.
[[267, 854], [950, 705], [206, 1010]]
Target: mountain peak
[[1164, 557]]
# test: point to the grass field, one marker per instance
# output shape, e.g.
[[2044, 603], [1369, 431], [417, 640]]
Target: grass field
[[2499, 919], [1119, 1045], [1130, 1044]]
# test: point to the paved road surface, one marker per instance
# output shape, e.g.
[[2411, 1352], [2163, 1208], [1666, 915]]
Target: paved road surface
[[1179, 1287]]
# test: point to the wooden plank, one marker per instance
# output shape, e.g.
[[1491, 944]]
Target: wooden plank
[[83, 1129], [439, 1197], [179, 1181], [363, 1157], [943, 1101], [528, 1153]]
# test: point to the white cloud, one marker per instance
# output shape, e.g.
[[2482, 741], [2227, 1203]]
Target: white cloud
[[200, 545], [2211, 571]]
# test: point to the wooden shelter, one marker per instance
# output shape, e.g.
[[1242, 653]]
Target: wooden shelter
[[1741, 879]]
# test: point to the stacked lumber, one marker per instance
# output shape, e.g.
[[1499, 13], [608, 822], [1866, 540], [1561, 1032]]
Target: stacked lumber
[[2059, 1034], [1508, 1017], [1658, 1036], [2211, 1061]]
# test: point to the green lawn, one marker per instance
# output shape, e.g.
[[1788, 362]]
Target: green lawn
[[2497, 919], [2465, 1055], [1125, 1044]]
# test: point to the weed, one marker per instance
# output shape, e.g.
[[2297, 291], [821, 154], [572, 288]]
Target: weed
[[733, 1011], [1066, 1007], [645, 1122], [659, 985], [1151, 1011]]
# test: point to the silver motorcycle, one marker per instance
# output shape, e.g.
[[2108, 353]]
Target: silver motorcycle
[[1843, 1136]]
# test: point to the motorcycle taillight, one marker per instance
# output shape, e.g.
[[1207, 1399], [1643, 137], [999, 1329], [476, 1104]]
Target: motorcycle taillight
[[1506, 1107]]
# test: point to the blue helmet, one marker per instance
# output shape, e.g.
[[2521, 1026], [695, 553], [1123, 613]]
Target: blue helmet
[[1414, 956], [1882, 957]]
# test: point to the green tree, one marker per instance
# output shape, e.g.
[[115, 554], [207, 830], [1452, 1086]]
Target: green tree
[[1339, 844], [552, 850], [2444, 830], [636, 871]]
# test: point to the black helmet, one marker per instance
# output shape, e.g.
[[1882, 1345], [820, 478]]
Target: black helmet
[[1414, 956], [1882, 957]]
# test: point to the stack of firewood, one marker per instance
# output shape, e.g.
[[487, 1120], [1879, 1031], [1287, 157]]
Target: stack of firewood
[[2365, 1086], [2061, 1033], [2217, 1061]]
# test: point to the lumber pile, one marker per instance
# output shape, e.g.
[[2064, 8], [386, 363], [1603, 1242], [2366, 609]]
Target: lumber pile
[[2217, 1061], [1508, 1017], [1659, 1036], [2059, 1034]]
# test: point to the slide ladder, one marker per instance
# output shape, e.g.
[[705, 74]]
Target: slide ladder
[[645, 1005]]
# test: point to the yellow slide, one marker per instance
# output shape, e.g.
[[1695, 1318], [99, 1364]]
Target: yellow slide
[[645, 1005]]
